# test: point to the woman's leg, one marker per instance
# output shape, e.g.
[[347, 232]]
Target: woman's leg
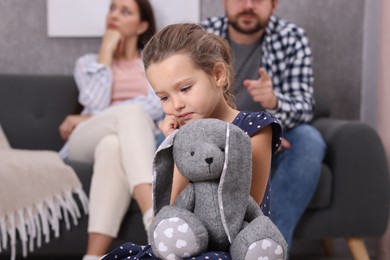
[[143, 195], [123, 163], [109, 196], [136, 132], [98, 245], [95, 140]]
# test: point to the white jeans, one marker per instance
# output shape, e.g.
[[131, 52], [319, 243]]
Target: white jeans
[[121, 143]]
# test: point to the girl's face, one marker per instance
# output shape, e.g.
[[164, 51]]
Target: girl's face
[[185, 91], [124, 16]]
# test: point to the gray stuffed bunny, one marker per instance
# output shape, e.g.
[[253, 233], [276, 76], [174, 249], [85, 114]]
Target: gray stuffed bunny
[[215, 211]]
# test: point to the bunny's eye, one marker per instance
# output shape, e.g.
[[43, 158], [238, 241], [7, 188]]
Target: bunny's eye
[[222, 149], [192, 153]]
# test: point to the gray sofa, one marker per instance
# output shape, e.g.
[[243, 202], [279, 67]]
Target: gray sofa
[[31, 109], [352, 199]]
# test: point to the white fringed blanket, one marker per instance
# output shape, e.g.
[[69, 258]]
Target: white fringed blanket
[[36, 193]]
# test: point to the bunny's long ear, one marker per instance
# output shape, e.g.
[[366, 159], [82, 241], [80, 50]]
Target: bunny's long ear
[[163, 173], [234, 187]]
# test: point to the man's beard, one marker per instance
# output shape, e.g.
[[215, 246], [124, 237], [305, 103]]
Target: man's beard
[[258, 27]]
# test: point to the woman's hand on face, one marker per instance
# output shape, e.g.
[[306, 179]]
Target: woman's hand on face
[[170, 124], [111, 41], [69, 124], [112, 45]]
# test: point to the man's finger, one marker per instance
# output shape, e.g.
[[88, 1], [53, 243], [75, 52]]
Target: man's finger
[[247, 83], [263, 75], [285, 144]]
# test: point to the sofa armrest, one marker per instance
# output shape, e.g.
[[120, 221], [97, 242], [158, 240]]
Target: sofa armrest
[[32, 108], [360, 192]]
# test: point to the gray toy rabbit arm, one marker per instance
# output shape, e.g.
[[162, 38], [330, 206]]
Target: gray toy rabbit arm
[[253, 210], [186, 198]]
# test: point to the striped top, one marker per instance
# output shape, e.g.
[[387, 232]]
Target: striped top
[[95, 83]]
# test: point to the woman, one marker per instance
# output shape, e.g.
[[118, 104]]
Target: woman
[[117, 128]]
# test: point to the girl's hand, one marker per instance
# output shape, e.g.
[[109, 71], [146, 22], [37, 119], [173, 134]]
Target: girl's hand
[[170, 124], [70, 123]]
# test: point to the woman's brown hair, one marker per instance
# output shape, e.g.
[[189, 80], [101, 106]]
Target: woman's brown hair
[[206, 50], [146, 14]]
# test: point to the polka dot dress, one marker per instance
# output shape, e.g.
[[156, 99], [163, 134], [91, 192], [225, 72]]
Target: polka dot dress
[[135, 252], [252, 122], [249, 122]]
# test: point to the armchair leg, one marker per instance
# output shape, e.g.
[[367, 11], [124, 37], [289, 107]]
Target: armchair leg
[[328, 247], [358, 248]]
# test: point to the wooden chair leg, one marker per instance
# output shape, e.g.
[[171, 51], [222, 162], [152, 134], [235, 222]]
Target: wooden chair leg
[[328, 247], [358, 248]]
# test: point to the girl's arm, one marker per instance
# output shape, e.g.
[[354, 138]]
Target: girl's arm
[[178, 185], [261, 162]]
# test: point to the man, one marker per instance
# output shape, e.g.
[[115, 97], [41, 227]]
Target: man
[[273, 71]]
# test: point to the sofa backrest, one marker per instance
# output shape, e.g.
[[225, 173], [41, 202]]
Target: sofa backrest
[[32, 108], [321, 108]]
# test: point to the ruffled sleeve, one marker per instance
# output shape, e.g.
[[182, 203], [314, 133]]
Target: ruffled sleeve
[[252, 122]]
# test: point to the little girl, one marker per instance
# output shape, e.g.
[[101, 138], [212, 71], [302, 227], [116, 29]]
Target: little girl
[[191, 72]]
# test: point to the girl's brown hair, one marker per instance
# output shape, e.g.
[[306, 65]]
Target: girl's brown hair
[[205, 50], [146, 14]]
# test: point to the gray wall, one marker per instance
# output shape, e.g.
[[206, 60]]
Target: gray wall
[[25, 47], [335, 27], [371, 66]]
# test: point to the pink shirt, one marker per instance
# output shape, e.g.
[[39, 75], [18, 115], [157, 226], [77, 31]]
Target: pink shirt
[[129, 80]]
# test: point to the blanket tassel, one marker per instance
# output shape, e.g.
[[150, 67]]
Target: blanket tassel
[[31, 223]]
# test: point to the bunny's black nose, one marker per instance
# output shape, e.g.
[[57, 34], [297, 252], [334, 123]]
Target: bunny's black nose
[[209, 160]]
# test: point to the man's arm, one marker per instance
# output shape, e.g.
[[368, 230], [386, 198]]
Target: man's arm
[[294, 85]]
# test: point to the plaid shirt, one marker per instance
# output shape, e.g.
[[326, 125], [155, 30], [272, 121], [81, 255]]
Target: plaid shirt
[[287, 58]]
